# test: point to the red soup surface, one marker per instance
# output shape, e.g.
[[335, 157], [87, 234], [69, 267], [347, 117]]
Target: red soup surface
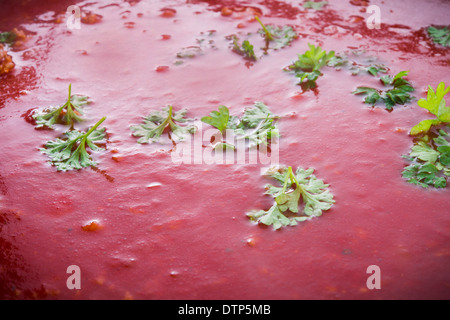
[[139, 225]]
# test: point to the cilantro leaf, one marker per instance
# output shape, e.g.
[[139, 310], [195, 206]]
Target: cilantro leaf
[[301, 186], [440, 35], [70, 153], [280, 36], [308, 65], [397, 94], [157, 121], [436, 105], [69, 113]]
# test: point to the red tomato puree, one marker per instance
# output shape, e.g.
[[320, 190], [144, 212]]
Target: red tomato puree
[[139, 226]]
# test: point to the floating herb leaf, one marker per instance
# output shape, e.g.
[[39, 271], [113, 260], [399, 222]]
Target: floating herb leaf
[[430, 162], [397, 94], [67, 114], [436, 105], [257, 125], [279, 36], [357, 62], [70, 153], [301, 186], [218, 119], [244, 49], [308, 65], [440, 35], [157, 121]]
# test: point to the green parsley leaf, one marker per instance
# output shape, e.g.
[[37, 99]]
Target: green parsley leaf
[[68, 113], [70, 153], [301, 186], [436, 105], [280, 36], [245, 49], [254, 116], [430, 164], [375, 69], [314, 5], [440, 35], [157, 121], [257, 125], [358, 62], [308, 65], [372, 95], [218, 119], [397, 94]]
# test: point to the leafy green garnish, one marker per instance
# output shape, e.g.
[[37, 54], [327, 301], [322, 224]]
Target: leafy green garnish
[[257, 125], [357, 62], [375, 69], [218, 119], [430, 162], [7, 37], [314, 5], [440, 35], [436, 105], [245, 49], [397, 94], [280, 36], [71, 153], [67, 114], [157, 121], [308, 65], [301, 186]]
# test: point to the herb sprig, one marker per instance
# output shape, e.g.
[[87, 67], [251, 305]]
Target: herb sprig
[[430, 161], [440, 35], [70, 153], [257, 125], [280, 36], [245, 48], [301, 186], [398, 93], [356, 62], [307, 66], [436, 105], [69, 113], [158, 121]]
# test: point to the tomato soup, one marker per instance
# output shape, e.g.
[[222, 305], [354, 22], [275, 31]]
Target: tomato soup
[[140, 226]]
